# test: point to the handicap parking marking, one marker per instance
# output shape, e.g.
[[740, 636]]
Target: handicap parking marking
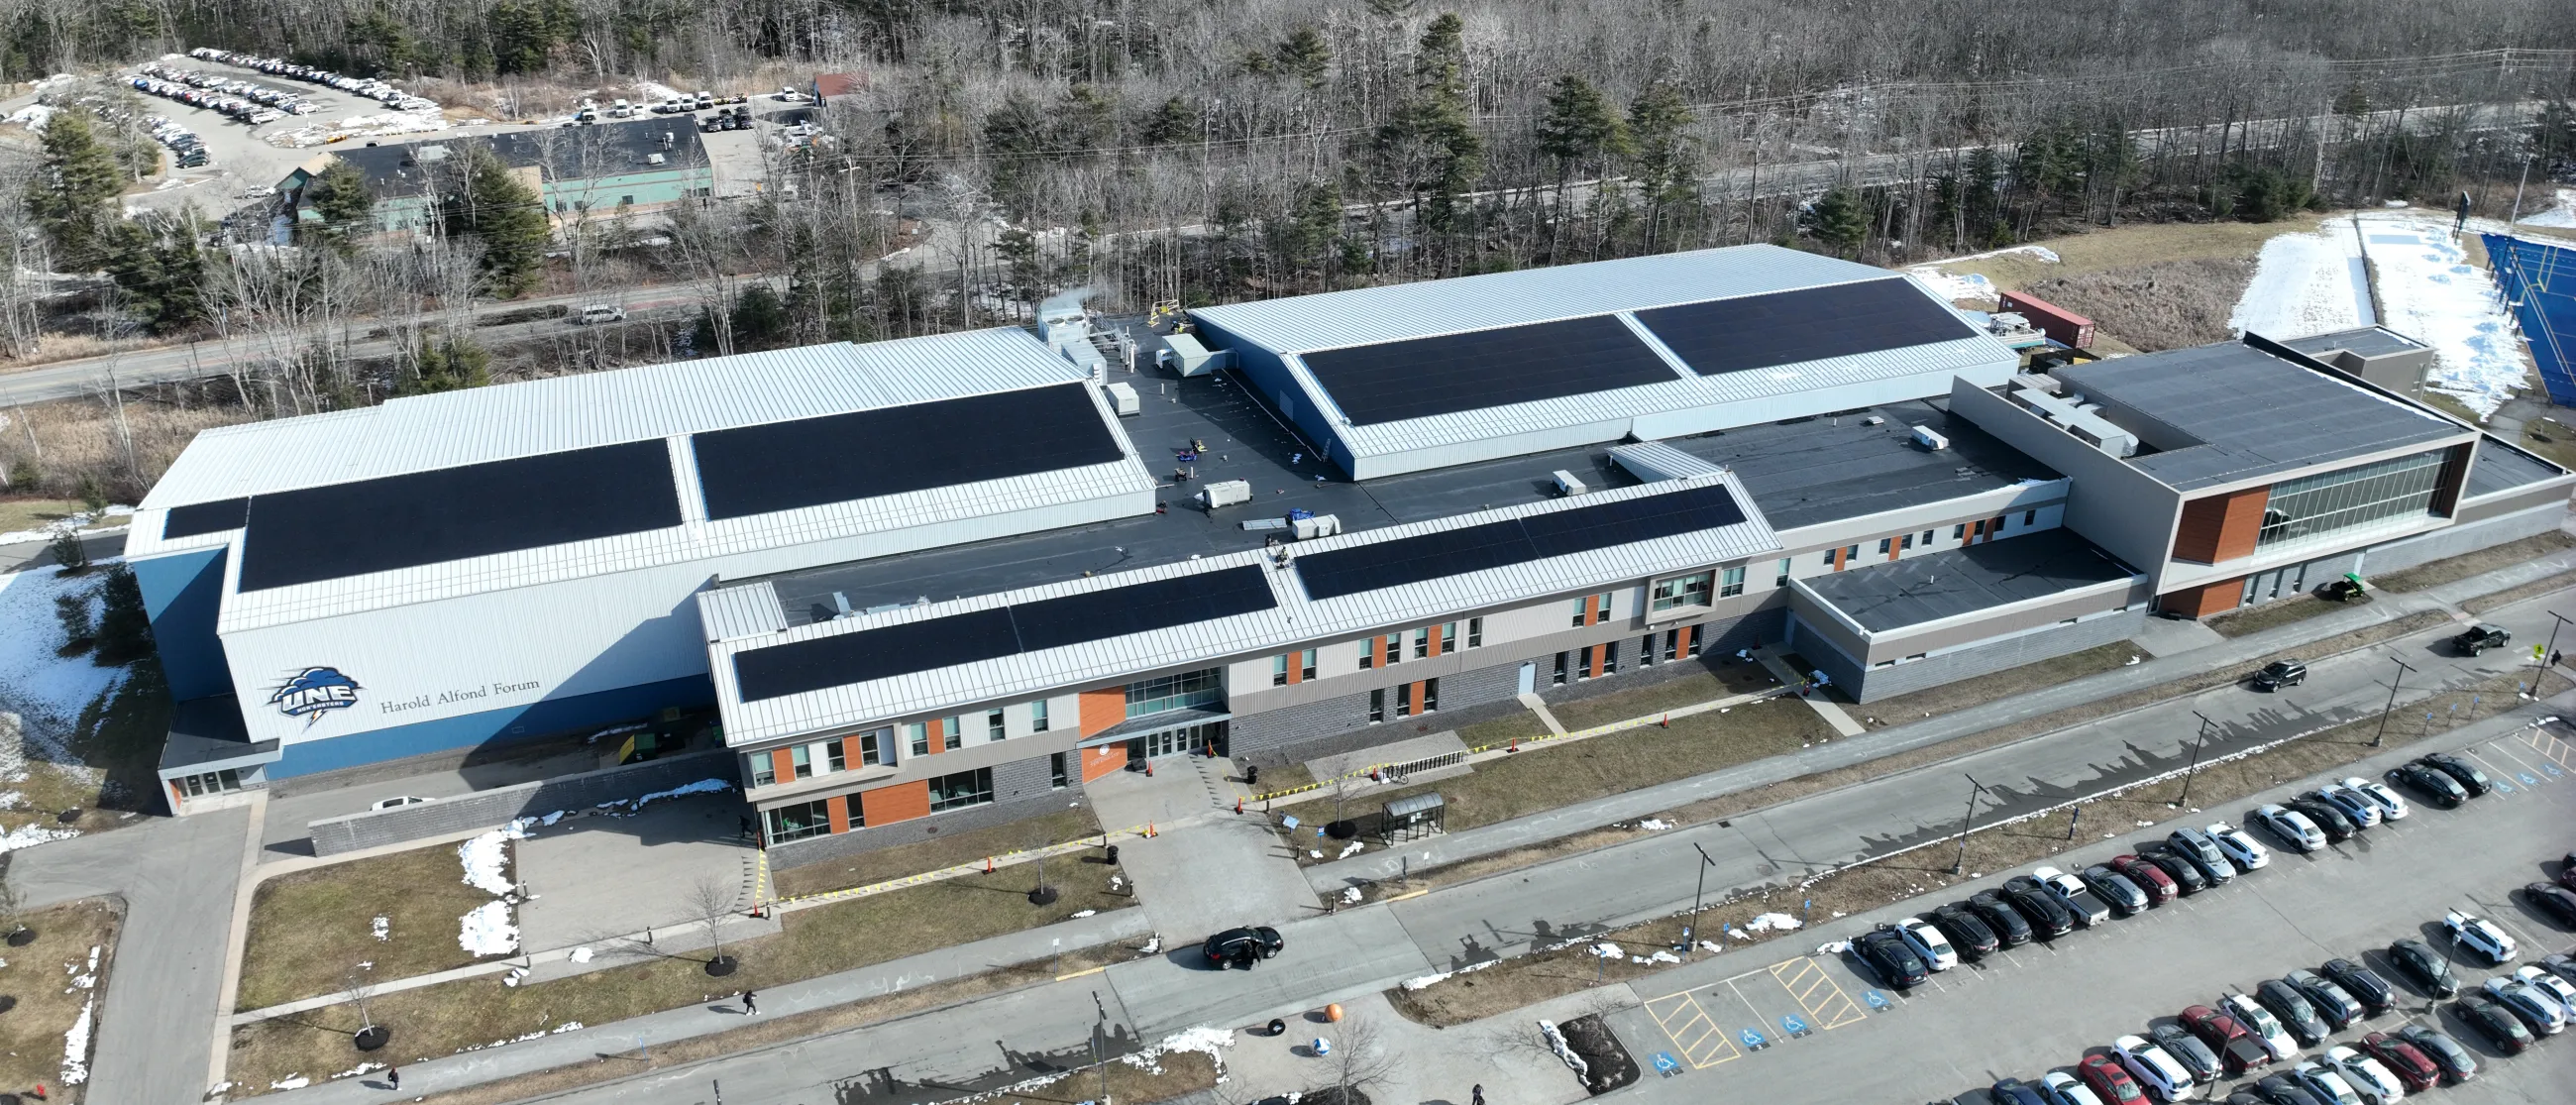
[[1692, 1030], [1824, 1001], [1792, 1026], [1876, 1001], [1666, 1065], [1752, 1038]]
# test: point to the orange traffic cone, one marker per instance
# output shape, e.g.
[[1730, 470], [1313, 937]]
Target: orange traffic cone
[[1516, 746], [1149, 769], [988, 865], [1149, 829], [1667, 723], [1238, 805]]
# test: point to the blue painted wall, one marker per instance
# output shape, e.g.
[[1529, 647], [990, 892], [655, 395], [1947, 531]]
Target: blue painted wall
[[493, 726], [1270, 374], [2539, 280], [183, 593]]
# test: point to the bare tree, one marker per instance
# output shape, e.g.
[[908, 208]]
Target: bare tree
[[710, 901], [1359, 1062], [360, 985]]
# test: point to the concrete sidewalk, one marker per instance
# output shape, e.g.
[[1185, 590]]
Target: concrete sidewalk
[[2246, 652]]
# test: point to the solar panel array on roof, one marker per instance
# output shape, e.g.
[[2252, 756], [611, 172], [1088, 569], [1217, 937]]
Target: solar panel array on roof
[[405, 521], [843, 659], [1406, 560], [892, 450], [197, 518], [1396, 380], [1810, 324]]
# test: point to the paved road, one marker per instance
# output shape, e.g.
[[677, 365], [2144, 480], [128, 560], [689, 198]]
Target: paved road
[[177, 877], [2043, 1006]]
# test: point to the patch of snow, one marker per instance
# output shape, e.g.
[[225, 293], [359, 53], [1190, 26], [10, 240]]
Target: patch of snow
[[33, 117], [1968, 285], [2434, 295], [1353, 850], [1654, 824], [579, 955], [487, 858], [2306, 283], [355, 1071], [2561, 213], [1772, 922], [1314, 854], [655, 92], [1433, 980], [1152, 945], [702, 786], [1711, 946], [1833, 947], [76, 1046], [1556, 1043], [47, 690], [291, 1082], [1083, 912], [1607, 950], [1665, 957], [28, 836], [383, 927], [1350, 895], [487, 930], [567, 1026]]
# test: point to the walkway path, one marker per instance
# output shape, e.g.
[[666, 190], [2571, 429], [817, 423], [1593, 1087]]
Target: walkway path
[[1223, 872]]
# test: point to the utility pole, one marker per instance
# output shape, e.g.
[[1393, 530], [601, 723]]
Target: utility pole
[[2541, 662], [1690, 937], [2403, 670], [1967, 823], [1097, 1031], [2197, 743]]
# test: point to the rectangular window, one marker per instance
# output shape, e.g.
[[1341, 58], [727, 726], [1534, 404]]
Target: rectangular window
[[1672, 643], [916, 736], [1827, 558], [1978, 527], [802, 756], [1038, 716], [1609, 657], [1959, 532], [1886, 545], [1188, 690], [1430, 695], [1306, 664], [1583, 663], [952, 734], [1851, 553], [212, 782], [1731, 582], [1422, 643], [1475, 633], [1279, 670], [873, 745], [1056, 776], [2029, 518], [1368, 654], [1377, 705], [1580, 610], [1927, 538], [801, 820], [1448, 637], [764, 769], [1394, 649], [1909, 542], [966, 788], [1689, 590], [1560, 670], [1606, 597], [836, 756], [1646, 650], [1782, 580], [994, 729], [2387, 493], [1404, 700]]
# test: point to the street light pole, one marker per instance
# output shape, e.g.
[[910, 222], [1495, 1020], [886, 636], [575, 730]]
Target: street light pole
[[2197, 743], [2403, 670], [2540, 663], [1691, 938], [1967, 823]]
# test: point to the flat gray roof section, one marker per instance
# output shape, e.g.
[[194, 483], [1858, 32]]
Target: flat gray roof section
[[2501, 467], [1897, 594], [2218, 414], [1832, 467], [2368, 341], [1244, 442]]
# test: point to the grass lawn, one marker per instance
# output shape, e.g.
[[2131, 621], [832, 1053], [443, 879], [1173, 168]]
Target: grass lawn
[[2132, 245], [441, 1020], [2270, 615], [1502, 730], [933, 854], [310, 928], [1544, 778], [2003, 684], [1528, 979], [2465, 565], [117, 743], [1714, 679], [2553, 439], [48, 1000], [34, 514]]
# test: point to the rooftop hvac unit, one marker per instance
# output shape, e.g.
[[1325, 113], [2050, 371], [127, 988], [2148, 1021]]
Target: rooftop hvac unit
[[1567, 485], [1183, 354], [1122, 398], [1929, 438], [1321, 525], [1226, 493]]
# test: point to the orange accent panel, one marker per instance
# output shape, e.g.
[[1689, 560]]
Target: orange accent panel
[[850, 753], [178, 794], [1296, 668], [2201, 602], [1894, 547], [839, 805], [1433, 632], [1103, 709], [783, 764], [2221, 527], [1100, 761], [938, 730], [900, 802], [1597, 653], [1838, 559], [1591, 609], [1690, 636]]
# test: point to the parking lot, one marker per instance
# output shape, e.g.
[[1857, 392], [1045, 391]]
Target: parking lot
[[1752, 1027]]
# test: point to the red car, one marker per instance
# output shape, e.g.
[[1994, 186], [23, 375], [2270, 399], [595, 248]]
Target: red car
[[2109, 1082], [2159, 886], [2404, 1060], [2234, 1043]]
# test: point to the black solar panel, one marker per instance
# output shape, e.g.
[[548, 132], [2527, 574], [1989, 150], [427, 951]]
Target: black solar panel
[[1496, 544], [1810, 324], [197, 518], [891, 450], [1397, 380], [822, 662], [452, 513]]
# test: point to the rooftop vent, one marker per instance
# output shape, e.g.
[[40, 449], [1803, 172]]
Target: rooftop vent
[[2079, 421], [1930, 438]]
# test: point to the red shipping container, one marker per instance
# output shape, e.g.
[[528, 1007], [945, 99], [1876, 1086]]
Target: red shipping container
[[2061, 325]]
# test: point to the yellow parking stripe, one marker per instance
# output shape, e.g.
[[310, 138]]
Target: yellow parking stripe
[[2553, 749], [1694, 1033], [1815, 991]]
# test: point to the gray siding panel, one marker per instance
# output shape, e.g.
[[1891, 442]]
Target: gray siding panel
[[1021, 788], [1975, 660], [2464, 538]]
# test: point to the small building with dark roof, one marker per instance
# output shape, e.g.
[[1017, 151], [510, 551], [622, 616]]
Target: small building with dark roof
[[601, 169]]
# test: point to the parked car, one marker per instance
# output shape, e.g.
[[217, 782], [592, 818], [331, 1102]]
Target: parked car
[[2329, 820], [2011, 929], [2124, 897], [2202, 850], [2405, 1060], [2457, 1064], [1242, 946], [2429, 970], [2111, 1083], [2048, 919], [2481, 637], [2323, 1080], [2242, 848], [1888, 956], [2014, 1091], [398, 801], [2392, 807], [2160, 887], [2063, 1089], [2538, 1008], [2567, 871], [2554, 900], [2238, 1048], [2359, 807], [2561, 964], [597, 313], [2557, 987], [2186, 875], [2493, 1022], [2186, 1049], [2069, 891], [2161, 1074], [2267, 1029], [2429, 784], [2481, 937], [2283, 1089], [2364, 984], [1928, 943], [2279, 674], [2460, 770], [2375, 1082], [2293, 827], [1970, 936], [2338, 1008], [2301, 1018]]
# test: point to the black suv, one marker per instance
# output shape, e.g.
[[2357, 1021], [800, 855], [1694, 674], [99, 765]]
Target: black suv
[[2281, 673], [1242, 947], [2481, 637], [2461, 771], [1969, 934], [2048, 917], [2012, 930], [1889, 956], [2362, 983]]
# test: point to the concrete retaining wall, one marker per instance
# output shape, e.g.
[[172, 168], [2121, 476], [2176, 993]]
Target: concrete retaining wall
[[1876, 684], [489, 808]]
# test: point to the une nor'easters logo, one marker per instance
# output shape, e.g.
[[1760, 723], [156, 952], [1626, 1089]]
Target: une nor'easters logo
[[314, 692]]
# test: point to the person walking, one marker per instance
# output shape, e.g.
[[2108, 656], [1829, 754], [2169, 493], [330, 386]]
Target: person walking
[[393, 1078], [2462, 222], [1476, 1096], [749, 1007]]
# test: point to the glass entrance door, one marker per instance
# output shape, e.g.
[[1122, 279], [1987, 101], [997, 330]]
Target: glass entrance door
[[1188, 740]]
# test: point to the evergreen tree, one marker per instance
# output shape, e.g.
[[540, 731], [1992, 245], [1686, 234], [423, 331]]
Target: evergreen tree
[[124, 625], [485, 200], [161, 269], [1430, 144], [1015, 138], [1307, 238], [1175, 121], [1666, 161], [1305, 55], [1086, 120], [1840, 220], [1579, 131], [341, 198], [73, 188], [451, 365]]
